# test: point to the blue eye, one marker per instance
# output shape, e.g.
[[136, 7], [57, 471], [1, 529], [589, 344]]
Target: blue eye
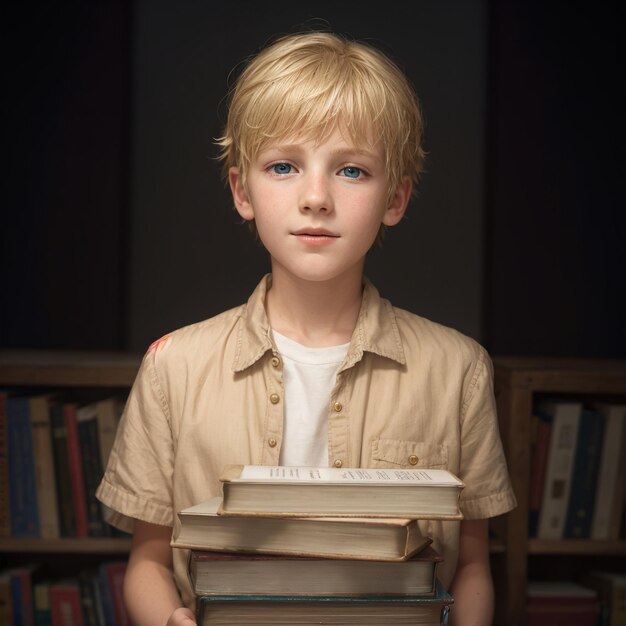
[[352, 172], [281, 168]]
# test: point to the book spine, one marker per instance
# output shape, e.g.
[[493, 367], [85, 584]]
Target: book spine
[[22, 491], [91, 468], [77, 481], [87, 599], [65, 605], [6, 599], [559, 471], [610, 487], [538, 471], [112, 581], [5, 512], [584, 476], [44, 468], [22, 597], [41, 604], [62, 471]]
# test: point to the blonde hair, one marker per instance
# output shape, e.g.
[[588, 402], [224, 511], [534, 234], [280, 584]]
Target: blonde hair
[[309, 84]]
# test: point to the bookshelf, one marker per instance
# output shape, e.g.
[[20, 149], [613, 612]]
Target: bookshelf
[[518, 383], [84, 374]]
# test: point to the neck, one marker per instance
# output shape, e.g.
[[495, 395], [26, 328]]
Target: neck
[[315, 314]]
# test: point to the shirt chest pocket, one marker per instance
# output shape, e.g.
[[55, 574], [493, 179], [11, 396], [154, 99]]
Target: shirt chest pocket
[[391, 453]]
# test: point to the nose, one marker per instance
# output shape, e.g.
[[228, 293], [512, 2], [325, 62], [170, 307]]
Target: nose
[[316, 194]]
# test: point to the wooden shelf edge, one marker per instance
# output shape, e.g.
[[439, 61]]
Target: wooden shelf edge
[[581, 547], [112, 545], [97, 369]]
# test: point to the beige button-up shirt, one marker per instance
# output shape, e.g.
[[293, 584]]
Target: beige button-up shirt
[[410, 393]]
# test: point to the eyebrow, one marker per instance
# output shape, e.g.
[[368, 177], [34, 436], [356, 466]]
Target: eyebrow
[[296, 147]]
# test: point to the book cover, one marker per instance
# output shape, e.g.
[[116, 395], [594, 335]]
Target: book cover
[[65, 605], [22, 579], [220, 573], [88, 599], [111, 574], [584, 476], [560, 603], [202, 528], [45, 479], [538, 471], [77, 479], [609, 500], [328, 491], [5, 514], [565, 417], [6, 598], [22, 482], [611, 590], [289, 610], [62, 470], [87, 420], [41, 603]]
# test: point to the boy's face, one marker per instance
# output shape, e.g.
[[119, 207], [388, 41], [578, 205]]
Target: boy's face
[[318, 207]]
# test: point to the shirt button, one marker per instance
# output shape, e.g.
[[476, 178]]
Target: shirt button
[[271, 442], [275, 361], [413, 460], [274, 398], [338, 406], [338, 463]]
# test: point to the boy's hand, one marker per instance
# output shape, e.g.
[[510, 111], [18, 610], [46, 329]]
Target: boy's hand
[[182, 617]]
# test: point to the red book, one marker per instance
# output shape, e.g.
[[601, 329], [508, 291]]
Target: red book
[[65, 606], [538, 473], [112, 576], [77, 479], [561, 603]]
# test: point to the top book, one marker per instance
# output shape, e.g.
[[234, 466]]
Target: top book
[[329, 491]]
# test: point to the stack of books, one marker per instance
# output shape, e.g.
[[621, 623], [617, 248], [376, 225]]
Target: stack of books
[[301, 545]]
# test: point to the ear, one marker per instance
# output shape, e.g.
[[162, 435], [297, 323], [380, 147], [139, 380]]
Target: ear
[[399, 201], [240, 194]]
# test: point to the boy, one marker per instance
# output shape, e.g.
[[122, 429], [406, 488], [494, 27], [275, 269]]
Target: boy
[[322, 148]]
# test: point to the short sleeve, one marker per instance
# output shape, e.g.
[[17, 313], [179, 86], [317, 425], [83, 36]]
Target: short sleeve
[[483, 467], [137, 482]]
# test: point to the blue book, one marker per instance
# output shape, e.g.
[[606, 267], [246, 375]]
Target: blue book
[[584, 476], [432, 610], [23, 507]]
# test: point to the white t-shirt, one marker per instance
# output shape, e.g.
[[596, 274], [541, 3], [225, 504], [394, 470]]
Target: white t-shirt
[[308, 378]]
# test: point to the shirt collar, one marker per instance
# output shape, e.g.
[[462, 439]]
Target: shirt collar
[[376, 330]]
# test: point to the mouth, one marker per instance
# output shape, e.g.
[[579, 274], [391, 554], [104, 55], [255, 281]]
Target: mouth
[[315, 233]]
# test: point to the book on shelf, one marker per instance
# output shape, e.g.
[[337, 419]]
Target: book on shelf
[[6, 599], [23, 506], [77, 480], [111, 574], [21, 579], [41, 603], [609, 501], [330, 491], [45, 478], [560, 603], [65, 603], [392, 539], [538, 470], [290, 610], [584, 475], [611, 590], [87, 417], [5, 514], [565, 417], [62, 470], [227, 573]]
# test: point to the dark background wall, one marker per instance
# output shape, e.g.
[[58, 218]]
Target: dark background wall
[[116, 227]]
